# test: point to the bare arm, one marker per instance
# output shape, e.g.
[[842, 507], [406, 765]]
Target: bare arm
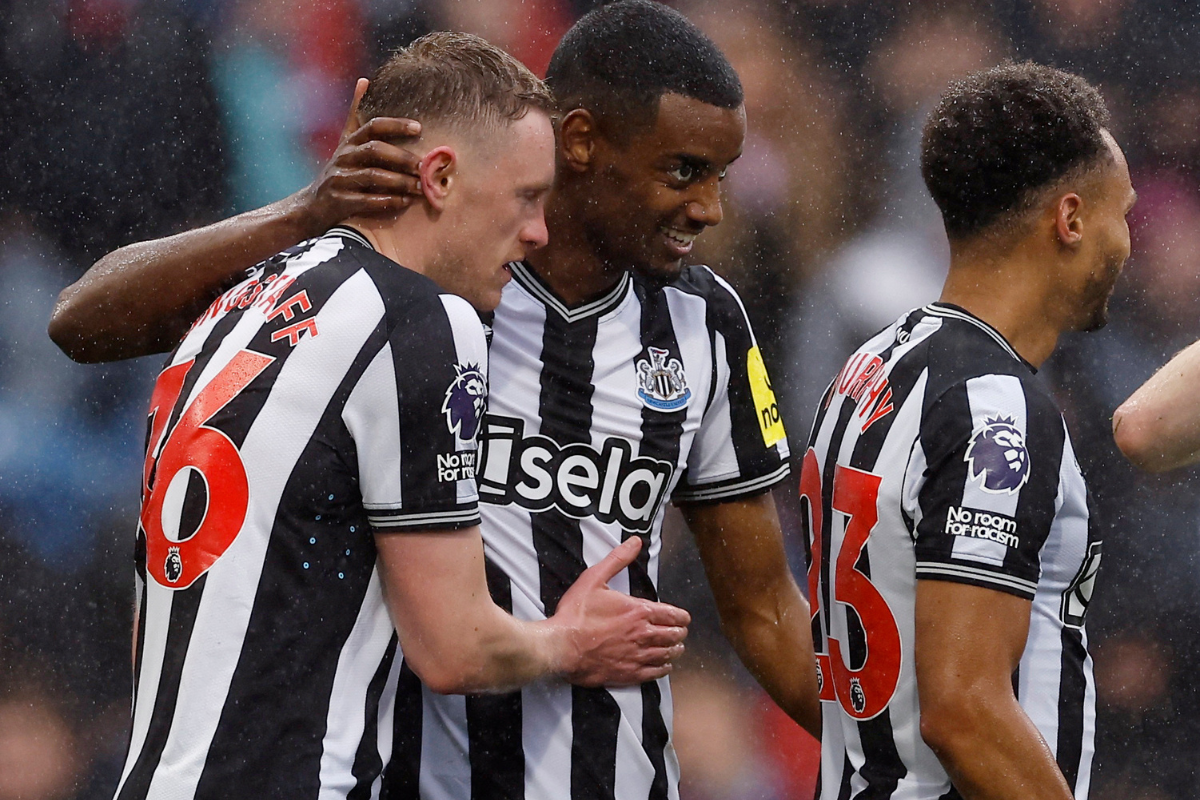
[[1158, 427], [457, 640], [763, 613], [968, 642], [141, 298]]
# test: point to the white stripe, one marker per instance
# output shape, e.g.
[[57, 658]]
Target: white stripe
[[634, 772], [445, 769], [470, 349], [155, 626], [273, 444], [372, 415]]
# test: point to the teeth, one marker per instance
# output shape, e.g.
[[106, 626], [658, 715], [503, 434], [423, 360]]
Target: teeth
[[679, 236]]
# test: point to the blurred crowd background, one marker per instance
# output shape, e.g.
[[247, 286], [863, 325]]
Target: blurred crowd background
[[127, 119]]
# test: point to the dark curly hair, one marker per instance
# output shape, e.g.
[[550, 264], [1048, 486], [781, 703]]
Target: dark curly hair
[[620, 59], [998, 136]]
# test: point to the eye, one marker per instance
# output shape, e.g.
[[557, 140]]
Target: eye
[[684, 173]]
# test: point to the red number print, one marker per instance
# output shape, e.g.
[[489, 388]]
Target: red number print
[[866, 691], [191, 446]]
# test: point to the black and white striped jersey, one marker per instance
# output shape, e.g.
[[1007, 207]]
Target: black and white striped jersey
[[938, 455], [331, 393], [597, 416]]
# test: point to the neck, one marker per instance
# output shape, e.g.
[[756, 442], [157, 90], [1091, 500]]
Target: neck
[[570, 264], [1010, 292], [404, 239]]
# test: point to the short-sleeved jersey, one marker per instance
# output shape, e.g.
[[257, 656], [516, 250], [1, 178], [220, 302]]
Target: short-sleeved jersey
[[598, 416], [937, 454], [330, 394]]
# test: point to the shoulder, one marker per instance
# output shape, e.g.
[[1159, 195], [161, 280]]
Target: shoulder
[[725, 310]]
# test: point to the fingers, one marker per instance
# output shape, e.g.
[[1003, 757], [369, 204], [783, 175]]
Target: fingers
[[667, 614], [381, 155], [384, 129], [360, 88], [621, 557], [663, 636]]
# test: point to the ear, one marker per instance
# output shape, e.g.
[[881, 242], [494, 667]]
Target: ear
[[438, 171], [577, 139], [1068, 219]]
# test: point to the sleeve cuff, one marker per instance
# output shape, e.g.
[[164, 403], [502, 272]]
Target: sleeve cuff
[[960, 573], [400, 522], [733, 489]]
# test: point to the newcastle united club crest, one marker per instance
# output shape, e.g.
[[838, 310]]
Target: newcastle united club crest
[[661, 382]]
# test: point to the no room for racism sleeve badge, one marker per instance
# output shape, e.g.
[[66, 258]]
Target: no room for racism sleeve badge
[[998, 455]]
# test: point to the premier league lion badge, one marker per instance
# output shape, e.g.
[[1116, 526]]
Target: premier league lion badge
[[465, 401], [661, 382], [997, 454]]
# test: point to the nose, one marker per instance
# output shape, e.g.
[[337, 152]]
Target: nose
[[534, 234], [705, 205]]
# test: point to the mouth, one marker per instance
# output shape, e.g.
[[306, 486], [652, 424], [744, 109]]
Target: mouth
[[677, 241]]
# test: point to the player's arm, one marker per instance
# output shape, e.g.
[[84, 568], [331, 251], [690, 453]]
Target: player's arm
[[458, 641], [141, 298], [763, 613], [1158, 427], [969, 640]]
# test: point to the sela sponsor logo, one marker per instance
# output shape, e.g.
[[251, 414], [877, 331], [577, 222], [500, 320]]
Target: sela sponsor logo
[[998, 455], [977, 524], [456, 466], [769, 421], [662, 385], [864, 380], [535, 472], [465, 400]]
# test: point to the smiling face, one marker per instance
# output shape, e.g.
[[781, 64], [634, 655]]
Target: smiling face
[[650, 197], [495, 214]]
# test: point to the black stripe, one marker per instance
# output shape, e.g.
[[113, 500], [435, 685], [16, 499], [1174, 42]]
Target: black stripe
[[1072, 691], [494, 724], [847, 774], [402, 776], [368, 764], [565, 409], [184, 606], [944, 446], [661, 432]]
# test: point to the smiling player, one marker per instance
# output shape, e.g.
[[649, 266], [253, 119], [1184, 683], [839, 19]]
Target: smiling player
[[620, 381]]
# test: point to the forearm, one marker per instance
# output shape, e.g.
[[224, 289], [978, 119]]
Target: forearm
[[141, 298], [1158, 427], [991, 749], [498, 653], [773, 641]]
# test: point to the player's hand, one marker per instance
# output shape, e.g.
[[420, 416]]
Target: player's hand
[[614, 639], [367, 175]]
